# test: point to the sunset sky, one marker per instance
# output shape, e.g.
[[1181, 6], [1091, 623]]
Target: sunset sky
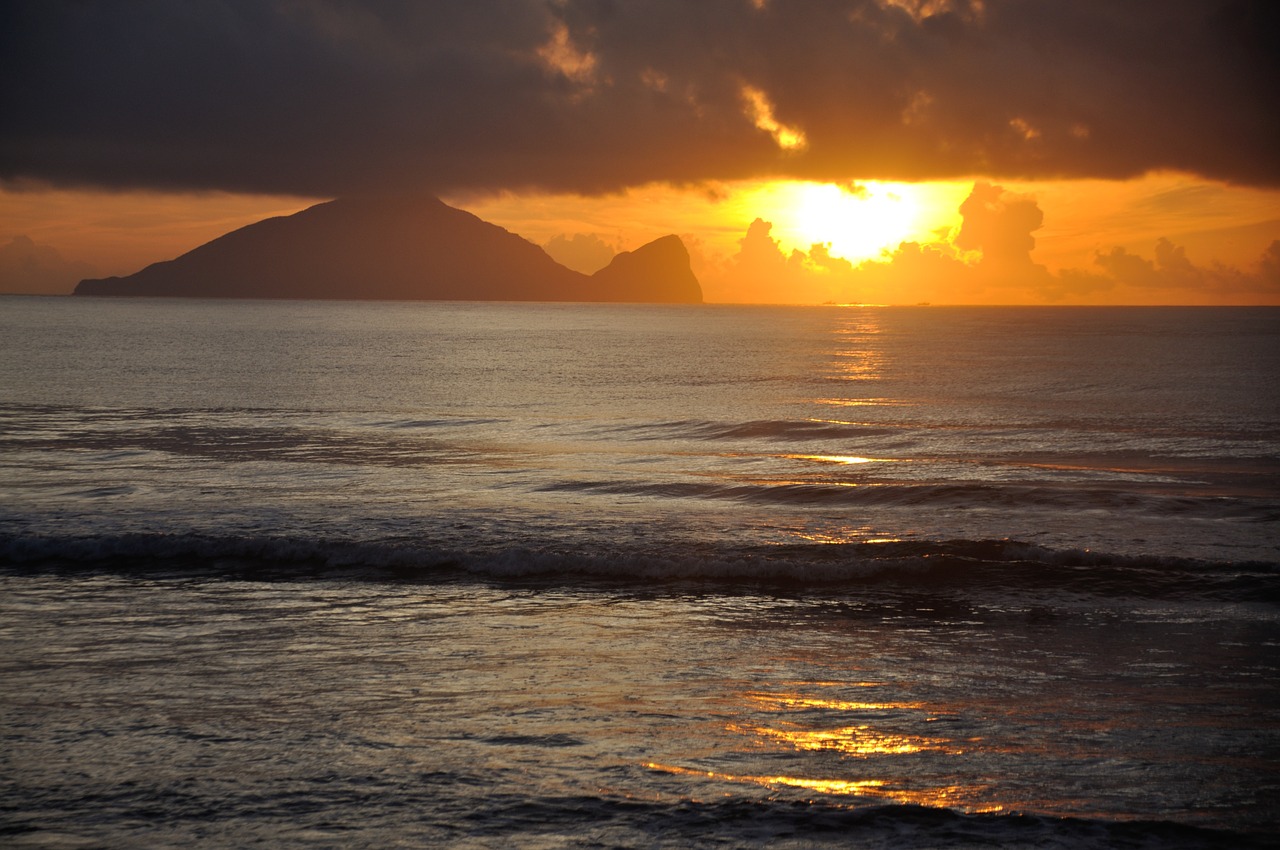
[[861, 151]]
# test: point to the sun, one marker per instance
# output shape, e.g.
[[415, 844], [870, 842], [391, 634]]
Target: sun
[[856, 226], [857, 222]]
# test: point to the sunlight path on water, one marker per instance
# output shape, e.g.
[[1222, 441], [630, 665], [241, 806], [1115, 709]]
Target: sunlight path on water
[[255, 699]]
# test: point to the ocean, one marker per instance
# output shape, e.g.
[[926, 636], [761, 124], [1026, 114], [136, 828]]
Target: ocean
[[344, 574]]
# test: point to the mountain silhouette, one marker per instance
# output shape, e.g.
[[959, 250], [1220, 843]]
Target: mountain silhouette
[[404, 248]]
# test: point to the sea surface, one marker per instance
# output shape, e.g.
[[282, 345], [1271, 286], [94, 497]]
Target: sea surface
[[341, 574]]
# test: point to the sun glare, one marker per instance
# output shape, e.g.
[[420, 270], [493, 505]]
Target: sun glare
[[858, 222], [855, 225]]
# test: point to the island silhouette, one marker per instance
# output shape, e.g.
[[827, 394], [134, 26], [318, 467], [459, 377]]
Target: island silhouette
[[400, 248]]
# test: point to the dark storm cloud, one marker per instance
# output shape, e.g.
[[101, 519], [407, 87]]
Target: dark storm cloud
[[325, 98]]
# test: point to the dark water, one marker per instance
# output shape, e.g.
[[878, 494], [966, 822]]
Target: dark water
[[326, 574]]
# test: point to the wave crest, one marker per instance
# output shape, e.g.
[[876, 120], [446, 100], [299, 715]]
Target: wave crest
[[956, 564]]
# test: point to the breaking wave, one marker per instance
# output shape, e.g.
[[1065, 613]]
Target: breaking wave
[[963, 564], [950, 494]]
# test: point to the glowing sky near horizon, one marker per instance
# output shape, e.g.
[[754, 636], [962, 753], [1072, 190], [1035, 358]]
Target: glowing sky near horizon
[[861, 150]]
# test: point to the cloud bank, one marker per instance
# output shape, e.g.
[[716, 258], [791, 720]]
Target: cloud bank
[[582, 252], [987, 260], [329, 98], [35, 269]]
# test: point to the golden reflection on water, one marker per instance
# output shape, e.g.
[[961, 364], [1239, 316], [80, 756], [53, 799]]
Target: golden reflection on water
[[938, 797], [863, 402], [862, 740], [844, 459], [856, 357], [783, 701], [858, 747], [848, 535]]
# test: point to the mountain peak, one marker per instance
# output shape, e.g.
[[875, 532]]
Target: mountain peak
[[411, 247], [659, 269]]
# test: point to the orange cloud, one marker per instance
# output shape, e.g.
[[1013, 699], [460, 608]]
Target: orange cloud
[[583, 252], [33, 269], [1170, 274], [987, 260], [563, 56], [760, 110]]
